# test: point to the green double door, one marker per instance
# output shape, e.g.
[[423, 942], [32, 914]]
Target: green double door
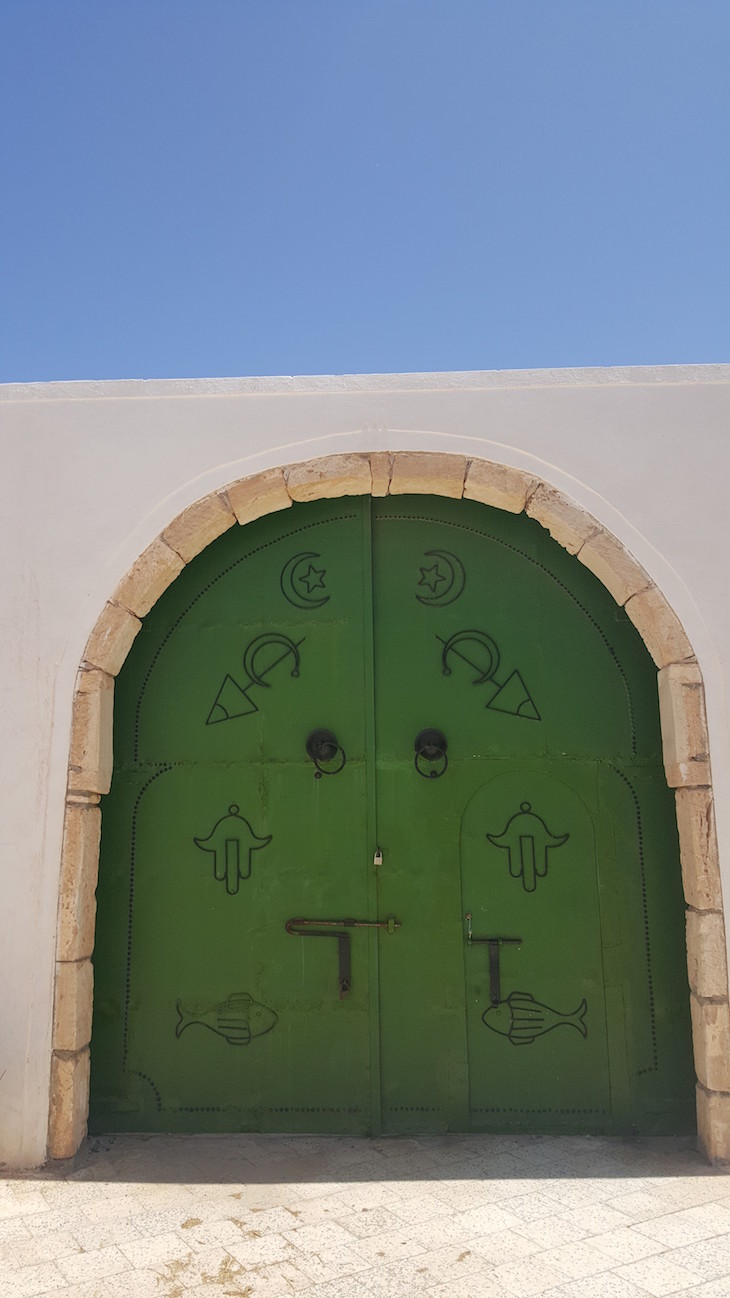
[[315, 917]]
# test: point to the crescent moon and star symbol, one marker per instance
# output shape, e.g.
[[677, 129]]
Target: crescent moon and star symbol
[[479, 651], [443, 581], [259, 658], [302, 582]]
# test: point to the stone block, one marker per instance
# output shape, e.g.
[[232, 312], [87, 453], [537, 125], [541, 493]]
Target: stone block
[[706, 954], [618, 570], [150, 575], [711, 1040], [566, 522], [380, 469], [73, 1005], [684, 725], [264, 493], [111, 639], [499, 485], [427, 473], [69, 1103], [79, 872], [698, 848], [659, 627], [333, 475], [198, 525], [90, 761]]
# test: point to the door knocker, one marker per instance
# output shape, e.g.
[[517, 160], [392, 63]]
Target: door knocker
[[326, 752], [430, 746]]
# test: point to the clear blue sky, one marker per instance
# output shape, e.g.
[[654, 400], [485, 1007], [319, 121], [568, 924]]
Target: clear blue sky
[[233, 187]]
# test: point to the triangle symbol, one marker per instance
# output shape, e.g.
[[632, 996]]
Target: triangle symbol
[[514, 698], [231, 701]]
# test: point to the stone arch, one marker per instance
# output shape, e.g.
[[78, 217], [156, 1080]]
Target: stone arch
[[681, 703]]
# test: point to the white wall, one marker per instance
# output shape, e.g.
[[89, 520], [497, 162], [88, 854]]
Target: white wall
[[91, 472]]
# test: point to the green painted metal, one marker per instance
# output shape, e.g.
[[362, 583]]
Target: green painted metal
[[547, 820]]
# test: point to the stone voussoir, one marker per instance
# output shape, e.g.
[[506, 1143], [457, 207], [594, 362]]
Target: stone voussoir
[[73, 1005], [79, 872], [711, 1037], [659, 627], [707, 954], [111, 639], [618, 570], [381, 464], [148, 578], [198, 525], [427, 473], [499, 485], [90, 760], [567, 523], [263, 493], [329, 477], [684, 725], [69, 1103], [698, 848]]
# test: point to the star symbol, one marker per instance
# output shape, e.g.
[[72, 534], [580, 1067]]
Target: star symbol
[[431, 577], [313, 578]]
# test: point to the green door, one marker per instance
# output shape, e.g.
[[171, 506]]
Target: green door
[[388, 845]]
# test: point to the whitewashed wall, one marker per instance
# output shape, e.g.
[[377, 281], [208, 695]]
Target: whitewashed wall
[[92, 472]]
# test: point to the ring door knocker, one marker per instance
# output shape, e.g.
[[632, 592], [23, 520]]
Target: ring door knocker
[[430, 746], [326, 752]]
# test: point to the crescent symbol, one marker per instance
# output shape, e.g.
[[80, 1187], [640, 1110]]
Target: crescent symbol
[[455, 583], [289, 576], [263, 642], [457, 644]]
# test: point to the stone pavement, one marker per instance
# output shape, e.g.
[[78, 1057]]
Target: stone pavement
[[334, 1217]]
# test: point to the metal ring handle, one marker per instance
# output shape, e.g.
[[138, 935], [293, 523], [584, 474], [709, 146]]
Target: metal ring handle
[[323, 747], [430, 746]]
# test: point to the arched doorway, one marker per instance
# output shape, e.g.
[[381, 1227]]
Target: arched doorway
[[517, 962]]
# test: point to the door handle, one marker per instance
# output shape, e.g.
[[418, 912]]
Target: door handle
[[430, 746], [329, 928], [493, 943]]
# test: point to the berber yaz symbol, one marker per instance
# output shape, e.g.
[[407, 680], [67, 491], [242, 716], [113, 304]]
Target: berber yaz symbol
[[302, 585], [528, 840], [440, 588], [260, 657], [231, 842]]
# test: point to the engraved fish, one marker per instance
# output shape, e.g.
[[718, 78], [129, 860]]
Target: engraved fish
[[521, 1018], [238, 1019]]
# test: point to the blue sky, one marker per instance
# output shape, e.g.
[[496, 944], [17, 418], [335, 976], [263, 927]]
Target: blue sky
[[235, 187]]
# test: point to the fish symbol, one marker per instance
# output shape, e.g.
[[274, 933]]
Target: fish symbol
[[238, 1019], [522, 1018]]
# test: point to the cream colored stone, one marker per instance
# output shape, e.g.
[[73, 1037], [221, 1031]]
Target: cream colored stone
[[698, 848], [659, 627], [713, 1124], [198, 525], [112, 638], [73, 1004], [150, 575], [566, 522], [69, 1103], [380, 469], [79, 872], [264, 493], [499, 485], [90, 762], [427, 473], [333, 475], [684, 726], [706, 954], [618, 570], [711, 1038]]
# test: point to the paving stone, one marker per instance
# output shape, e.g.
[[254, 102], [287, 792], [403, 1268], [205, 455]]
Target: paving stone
[[709, 1258], [659, 1275], [530, 1276], [625, 1245], [32, 1280], [79, 1268], [688, 1226], [608, 1285]]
